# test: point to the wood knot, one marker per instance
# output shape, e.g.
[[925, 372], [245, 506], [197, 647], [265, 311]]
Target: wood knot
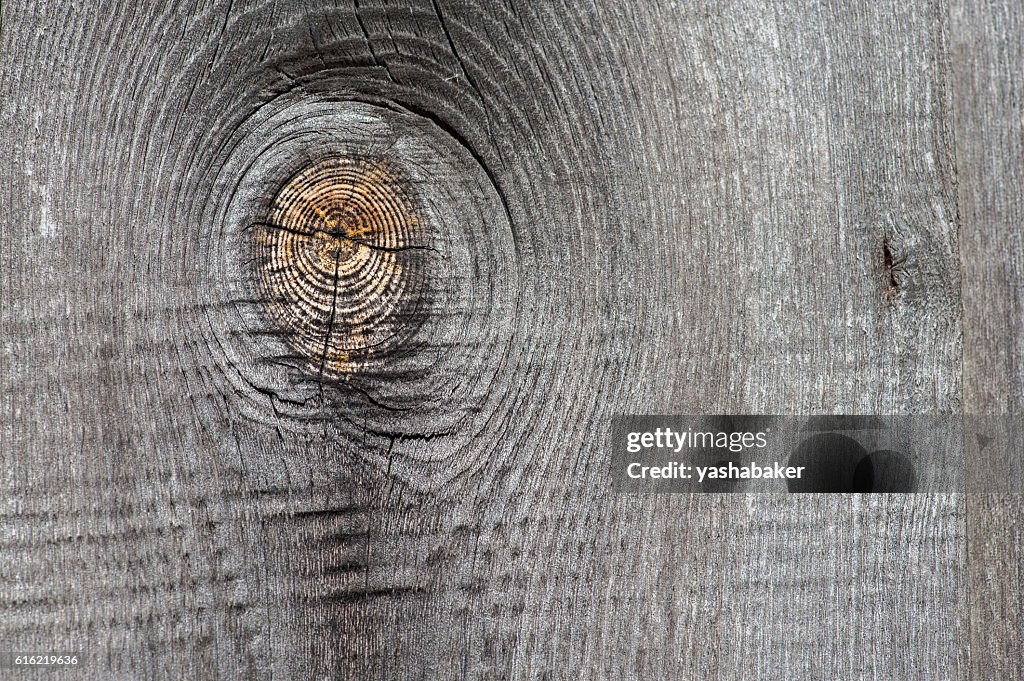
[[893, 269], [333, 262]]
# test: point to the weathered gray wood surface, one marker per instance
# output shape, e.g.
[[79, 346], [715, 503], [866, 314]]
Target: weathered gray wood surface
[[989, 55], [650, 207]]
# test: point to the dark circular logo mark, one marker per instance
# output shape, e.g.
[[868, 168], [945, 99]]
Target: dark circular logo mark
[[884, 471], [829, 461], [839, 464]]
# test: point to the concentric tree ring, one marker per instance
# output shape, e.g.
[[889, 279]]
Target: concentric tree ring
[[332, 262]]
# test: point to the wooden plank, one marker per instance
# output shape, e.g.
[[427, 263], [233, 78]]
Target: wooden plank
[[988, 58], [616, 208], [824, 142]]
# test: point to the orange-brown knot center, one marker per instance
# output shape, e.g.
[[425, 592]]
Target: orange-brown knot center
[[334, 263]]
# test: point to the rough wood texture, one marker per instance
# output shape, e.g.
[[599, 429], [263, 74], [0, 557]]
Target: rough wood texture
[[989, 55], [643, 207]]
